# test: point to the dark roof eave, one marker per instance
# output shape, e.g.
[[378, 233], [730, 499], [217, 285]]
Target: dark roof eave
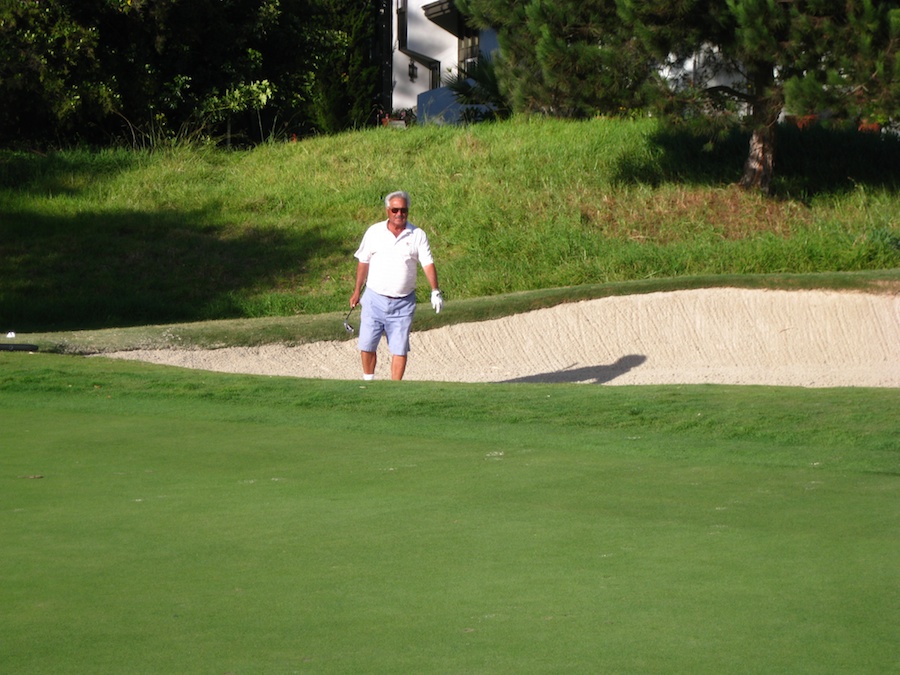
[[444, 14], [426, 61]]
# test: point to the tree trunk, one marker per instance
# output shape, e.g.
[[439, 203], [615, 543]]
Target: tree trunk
[[767, 102], [760, 165]]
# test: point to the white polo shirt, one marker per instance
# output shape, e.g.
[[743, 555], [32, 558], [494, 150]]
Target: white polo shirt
[[393, 260]]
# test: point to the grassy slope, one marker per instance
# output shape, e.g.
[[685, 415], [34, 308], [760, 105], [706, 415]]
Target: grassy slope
[[121, 239]]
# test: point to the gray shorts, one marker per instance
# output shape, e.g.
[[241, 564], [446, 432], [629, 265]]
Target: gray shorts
[[382, 315]]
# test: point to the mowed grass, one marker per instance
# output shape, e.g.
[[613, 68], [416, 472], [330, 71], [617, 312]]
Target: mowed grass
[[159, 520]]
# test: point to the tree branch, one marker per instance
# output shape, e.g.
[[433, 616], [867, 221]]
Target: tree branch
[[730, 91]]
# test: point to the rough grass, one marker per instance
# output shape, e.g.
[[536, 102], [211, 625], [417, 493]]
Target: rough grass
[[119, 238]]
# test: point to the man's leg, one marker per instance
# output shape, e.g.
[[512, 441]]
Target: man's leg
[[398, 323], [369, 359], [371, 327], [398, 367]]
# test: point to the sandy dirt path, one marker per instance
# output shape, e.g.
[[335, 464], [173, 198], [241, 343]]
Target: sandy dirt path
[[716, 336]]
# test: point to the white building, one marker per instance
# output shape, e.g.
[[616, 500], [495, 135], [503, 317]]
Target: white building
[[430, 44]]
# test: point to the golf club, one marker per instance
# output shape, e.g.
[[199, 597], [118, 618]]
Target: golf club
[[347, 326]]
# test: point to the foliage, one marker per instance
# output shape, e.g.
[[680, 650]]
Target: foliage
[[157, 71], [855, 72], [346, 72], [568, 59], [51, 76], [478, 92]]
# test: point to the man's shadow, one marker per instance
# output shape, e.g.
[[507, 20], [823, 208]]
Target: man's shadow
[[592, 374]]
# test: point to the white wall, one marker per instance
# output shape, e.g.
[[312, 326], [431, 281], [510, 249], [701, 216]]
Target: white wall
[[426, 38]]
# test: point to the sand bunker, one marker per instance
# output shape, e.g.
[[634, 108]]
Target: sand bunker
[[715, 336]]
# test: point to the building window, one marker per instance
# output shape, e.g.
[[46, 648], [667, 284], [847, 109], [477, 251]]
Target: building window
[[468, 50], [401, 25]]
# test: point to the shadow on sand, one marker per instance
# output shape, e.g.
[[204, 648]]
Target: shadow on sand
[[592, 374]]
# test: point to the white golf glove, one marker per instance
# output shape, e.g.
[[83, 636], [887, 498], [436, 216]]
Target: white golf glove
[[437, 301]]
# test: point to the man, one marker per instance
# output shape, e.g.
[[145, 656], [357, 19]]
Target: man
[[388, 258]]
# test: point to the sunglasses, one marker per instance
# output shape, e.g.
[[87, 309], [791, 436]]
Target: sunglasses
[[393, 210]]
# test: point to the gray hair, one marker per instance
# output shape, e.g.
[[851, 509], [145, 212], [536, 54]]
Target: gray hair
[[400, 193]]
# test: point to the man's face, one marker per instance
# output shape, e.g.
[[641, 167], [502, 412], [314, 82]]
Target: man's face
[[397, 213]]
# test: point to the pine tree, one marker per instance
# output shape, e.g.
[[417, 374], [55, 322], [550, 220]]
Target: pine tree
[[587, 61], [563, 57], [516, 68], [346, 81], [822, 53], [568, 58]]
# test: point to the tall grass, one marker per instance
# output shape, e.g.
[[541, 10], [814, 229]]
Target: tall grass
[[119, 238]]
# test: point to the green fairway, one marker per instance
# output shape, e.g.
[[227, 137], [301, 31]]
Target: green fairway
[[157, 520]]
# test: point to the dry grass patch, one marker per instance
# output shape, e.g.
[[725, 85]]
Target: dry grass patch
[[663, 217]]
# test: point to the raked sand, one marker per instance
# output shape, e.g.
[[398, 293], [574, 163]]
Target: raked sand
[[715, 336]]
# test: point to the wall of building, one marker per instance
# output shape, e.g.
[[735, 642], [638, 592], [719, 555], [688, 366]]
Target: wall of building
[[426, 38]]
